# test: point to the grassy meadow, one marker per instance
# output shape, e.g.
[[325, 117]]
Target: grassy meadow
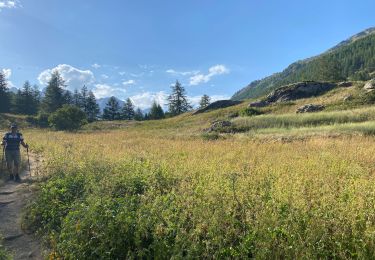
[[128, 193], [277, 185]]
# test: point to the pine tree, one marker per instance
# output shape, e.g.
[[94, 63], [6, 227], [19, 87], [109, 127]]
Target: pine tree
[[91, 107], [177, 101], [205, 101], [156, 111], [77, 99], [26, 100], [84, 95], [4, 94], [127, 112], [67, 97], [138, 115], [112, 110], [55, 95]]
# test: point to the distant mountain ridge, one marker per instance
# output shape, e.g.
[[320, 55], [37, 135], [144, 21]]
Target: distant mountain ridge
[[352, 59]]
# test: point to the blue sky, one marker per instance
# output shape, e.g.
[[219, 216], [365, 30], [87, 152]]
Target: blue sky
[[139, 48]]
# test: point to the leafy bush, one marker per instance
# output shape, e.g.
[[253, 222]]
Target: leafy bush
[[67, 118], [250, 111], [210, 136]]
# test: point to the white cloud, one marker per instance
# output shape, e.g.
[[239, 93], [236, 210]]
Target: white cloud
[[74, 78], [104, 90], [144, 100], [96, 66], [128, 82], [104, 76], [9, 4], [122, 73], [204, 78], [7, 73], [182, 73]]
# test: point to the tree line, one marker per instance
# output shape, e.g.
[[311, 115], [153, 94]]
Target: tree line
[[29, 101]]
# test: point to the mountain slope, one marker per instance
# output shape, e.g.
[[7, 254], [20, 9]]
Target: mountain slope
[[351, 59]]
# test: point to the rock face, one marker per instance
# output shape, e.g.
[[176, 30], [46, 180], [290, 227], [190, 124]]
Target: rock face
[[370, 85], [218, 104], [310, 108], [218, 125], [345, 84], [295, 91]]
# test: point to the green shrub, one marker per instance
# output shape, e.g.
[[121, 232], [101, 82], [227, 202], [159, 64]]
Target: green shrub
[[210, 136], [68, 118], [250, 111]]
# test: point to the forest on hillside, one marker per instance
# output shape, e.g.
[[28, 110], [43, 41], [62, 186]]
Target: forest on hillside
[[353, 61]]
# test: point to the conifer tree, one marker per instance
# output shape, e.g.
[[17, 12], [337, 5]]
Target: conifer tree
[[77, 99], [4, 94], [127, 112], [91, 107], [177, 101], [26, 101], [55, 96], [138, 115], [205, 101], [156, 111], [112, 110]]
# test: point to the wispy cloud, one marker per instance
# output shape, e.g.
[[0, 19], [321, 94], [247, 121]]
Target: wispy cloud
[[128, 82], [96, 66], [9, 4], [204, 78], [104, 76], [182, 73]]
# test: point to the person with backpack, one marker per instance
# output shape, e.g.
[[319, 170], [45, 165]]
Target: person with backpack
[[12, 141]]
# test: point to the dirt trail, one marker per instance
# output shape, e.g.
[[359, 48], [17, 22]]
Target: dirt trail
[[13, 198]]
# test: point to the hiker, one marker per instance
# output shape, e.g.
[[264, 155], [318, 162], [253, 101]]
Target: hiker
[[12, 141]]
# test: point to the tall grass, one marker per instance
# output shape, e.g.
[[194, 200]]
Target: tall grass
[[137, 196], [304, 120]]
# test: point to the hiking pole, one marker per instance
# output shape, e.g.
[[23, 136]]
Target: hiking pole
[[28, 159]]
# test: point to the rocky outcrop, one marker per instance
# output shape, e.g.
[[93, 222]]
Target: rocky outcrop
[[310, 108], [218, 126], [345, 84], [217, 104], [370, 85], [295, 91]]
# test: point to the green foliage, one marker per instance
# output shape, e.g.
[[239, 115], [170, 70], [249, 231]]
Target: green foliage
[[205, 101], [55, 96], [27, 100], [127, 112], [156, 112], [138, 115], [210, 136], [67, 118], [177, 100], [249, 111], [112, 110], [352, 60], [4, 255], [4, 94], [91, 107]]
